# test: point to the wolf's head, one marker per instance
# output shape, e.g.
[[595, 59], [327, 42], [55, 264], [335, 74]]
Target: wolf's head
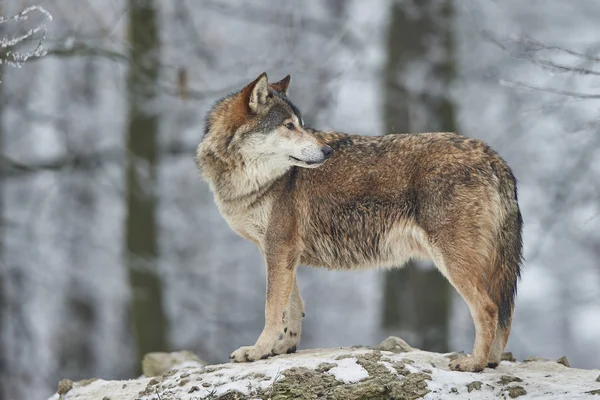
[[259, 124]]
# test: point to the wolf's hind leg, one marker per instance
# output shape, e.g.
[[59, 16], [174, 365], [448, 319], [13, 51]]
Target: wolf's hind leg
[[502, 334], [465, 273]]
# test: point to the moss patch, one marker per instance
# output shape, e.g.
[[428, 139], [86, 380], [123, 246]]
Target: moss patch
[[516, 391], [232, 396], [506, 379], [304, 383], [324, 367], [474, 386], [258, 376], [535, 359]]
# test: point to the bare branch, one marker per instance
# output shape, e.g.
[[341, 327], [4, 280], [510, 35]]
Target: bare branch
[[83, 50], [535, 45], [527, 50], [550, 65], [11, 168], [549, 90]]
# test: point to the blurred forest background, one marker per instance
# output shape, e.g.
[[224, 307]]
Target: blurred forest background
[[112, 246]]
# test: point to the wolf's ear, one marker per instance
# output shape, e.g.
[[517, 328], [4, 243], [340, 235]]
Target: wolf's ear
[[282, 85], [259, 89]]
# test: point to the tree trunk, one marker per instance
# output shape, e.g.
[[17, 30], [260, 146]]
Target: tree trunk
[[149, 323], [75, 350], [417, 299], [3, 270]]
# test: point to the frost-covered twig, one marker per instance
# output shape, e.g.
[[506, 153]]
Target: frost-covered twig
[[15, 58]]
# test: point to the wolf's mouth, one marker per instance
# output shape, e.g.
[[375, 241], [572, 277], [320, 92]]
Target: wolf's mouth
[[306, 162]]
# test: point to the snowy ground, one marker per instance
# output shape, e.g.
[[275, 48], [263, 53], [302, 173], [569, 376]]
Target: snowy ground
[[347, 373]]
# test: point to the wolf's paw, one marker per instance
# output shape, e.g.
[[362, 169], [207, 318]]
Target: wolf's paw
[[288, 340], [467, 364], [250, 353], [285, 343]]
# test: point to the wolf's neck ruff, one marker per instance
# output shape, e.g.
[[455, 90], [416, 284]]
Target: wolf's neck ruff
[[242, 181]]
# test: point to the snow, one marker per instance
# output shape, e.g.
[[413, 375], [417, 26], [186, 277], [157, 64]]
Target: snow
[[348, 371], [540, 379], [227, 376], [98, 388]]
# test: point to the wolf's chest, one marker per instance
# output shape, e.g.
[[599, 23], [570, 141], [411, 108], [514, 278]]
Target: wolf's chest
[[249, 222]]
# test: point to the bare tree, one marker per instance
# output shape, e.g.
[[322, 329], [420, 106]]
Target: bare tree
[[149, 323], [3, 269], [417, 299]]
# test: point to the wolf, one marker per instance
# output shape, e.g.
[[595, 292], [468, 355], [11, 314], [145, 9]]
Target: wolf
[[339, 201]]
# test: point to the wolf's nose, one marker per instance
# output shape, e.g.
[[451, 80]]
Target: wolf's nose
[[327, 151]]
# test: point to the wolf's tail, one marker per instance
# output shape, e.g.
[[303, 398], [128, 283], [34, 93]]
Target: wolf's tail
[[507, 255]]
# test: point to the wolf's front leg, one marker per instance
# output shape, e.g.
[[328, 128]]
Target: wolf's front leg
[[289, 340], [283, 315]]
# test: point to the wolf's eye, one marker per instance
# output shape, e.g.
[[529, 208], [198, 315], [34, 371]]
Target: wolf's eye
[[290, 126]]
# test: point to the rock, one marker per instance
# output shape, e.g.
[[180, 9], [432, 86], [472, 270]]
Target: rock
[[395, 345], [64, 386], [155, 364], [184, 382], [153, 381], [194, 389], [563, 360], [508, 356], [535, 359], [516, 391], [474, 386], [598, 378], [342, 374]]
